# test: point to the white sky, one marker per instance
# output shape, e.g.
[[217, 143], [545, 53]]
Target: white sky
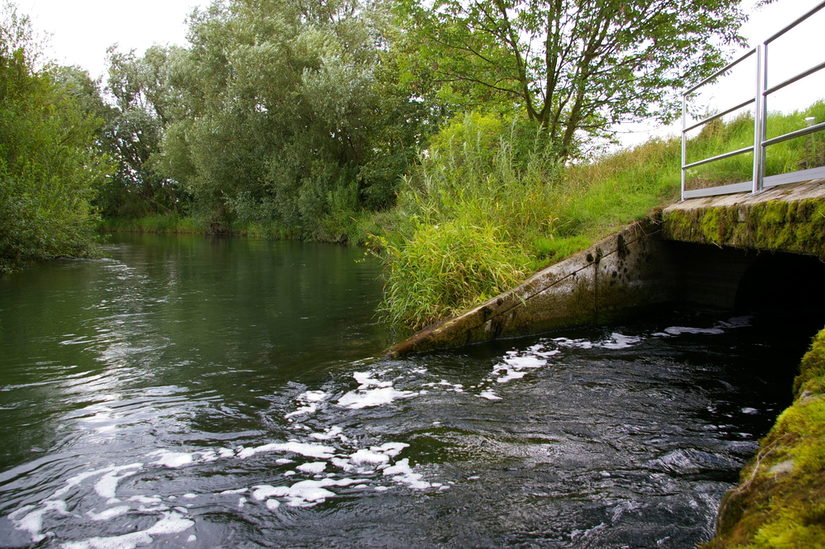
[[80, 31]]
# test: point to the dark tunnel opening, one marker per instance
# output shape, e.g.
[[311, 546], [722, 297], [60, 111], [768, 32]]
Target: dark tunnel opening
[[783, 284]]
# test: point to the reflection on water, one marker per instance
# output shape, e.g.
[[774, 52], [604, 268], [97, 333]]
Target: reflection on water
[[198, 393]]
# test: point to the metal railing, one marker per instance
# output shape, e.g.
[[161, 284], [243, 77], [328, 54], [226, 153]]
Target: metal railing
[[760, 118]]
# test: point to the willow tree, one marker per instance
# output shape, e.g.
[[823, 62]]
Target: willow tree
[[573, 66], [282, 115]]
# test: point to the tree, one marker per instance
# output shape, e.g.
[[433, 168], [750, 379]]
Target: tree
[[574, 66], [283, 116], [50, 165], [142, 106]]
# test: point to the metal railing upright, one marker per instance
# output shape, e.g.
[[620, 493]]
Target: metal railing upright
[[759, 100]]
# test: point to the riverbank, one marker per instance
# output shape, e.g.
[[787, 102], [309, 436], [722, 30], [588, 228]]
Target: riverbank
[[780, 501], [180, 224]]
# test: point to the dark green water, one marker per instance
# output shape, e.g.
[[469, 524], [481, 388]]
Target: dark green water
[[187, 392]]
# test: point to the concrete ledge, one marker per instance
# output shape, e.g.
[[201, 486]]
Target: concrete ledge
[[788, 218], [619, 273]]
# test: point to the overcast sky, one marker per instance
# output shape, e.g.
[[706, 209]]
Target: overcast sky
[[80, 31]]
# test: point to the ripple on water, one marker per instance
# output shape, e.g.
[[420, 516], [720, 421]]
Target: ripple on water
[[575, 441]]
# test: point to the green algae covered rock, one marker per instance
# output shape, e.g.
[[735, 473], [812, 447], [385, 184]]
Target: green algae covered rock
[[780, 501]]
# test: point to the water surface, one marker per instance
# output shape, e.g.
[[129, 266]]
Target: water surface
[[187, 392]]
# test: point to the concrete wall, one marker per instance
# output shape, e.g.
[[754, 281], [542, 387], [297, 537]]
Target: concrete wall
[[625, 271]]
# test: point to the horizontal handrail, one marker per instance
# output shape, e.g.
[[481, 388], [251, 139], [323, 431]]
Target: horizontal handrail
[[759, 100], [793, 79], [796, 23], [718, 157], [793, 135], [726, 68], [721, 114]]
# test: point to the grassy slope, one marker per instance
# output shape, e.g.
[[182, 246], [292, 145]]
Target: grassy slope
[[486, 184]]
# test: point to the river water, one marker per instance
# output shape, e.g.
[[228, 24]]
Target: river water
[[188, 392]]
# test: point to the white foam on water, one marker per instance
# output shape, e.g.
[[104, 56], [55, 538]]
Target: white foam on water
[[265, 491], [489, 395], [679, 330], [226, 452], [510, 375], [172, 460], [515, 366], [77, 479], [329, 434], [310, 401], [454, 387], [573, 343], [342, 463], [231, 492], [106, 487], [525, 362], [109, 513], [391, 449], [307, 493], [540, 350], [318, 451], [619, 341], [402, 473], [361, 398], [147, 500], [192, 538], [314, 468], [369, 458], [314, 396], [171, 523], [32, 522], [365, 381]]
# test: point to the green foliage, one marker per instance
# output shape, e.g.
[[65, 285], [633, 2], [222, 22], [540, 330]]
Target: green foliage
[[446, 268], [49, 165], [142, 104], [158, 223], [572, 66], [286, 115], [497, 176]]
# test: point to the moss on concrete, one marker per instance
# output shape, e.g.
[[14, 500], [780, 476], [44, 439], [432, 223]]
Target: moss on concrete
[[795, 226], [780, 501]]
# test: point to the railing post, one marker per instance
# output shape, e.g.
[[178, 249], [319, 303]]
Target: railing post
[[760, 119], [684, 142]]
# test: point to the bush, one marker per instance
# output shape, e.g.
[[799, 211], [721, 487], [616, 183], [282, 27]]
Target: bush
[[490, 197], [443, 269], [49, 165]]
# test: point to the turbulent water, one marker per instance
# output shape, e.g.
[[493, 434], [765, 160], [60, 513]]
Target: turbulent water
[[213, 393]]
